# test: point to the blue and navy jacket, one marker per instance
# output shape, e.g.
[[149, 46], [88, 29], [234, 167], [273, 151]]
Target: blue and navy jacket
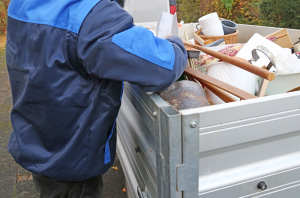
[[67, 61]]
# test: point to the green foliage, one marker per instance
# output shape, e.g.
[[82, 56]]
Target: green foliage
[[280, 13], [188, 11], [3, 17], [239, 11], [228, 4]]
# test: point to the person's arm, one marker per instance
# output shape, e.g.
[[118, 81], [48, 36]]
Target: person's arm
[[111, 47]]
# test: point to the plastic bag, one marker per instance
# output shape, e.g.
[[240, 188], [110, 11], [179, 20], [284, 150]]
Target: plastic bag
[[167, 25], [286, 62]]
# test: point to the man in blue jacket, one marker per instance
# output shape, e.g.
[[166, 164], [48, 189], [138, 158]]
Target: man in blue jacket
[[67, 61]]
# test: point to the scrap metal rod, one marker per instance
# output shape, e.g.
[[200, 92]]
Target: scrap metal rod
[[235, 61]]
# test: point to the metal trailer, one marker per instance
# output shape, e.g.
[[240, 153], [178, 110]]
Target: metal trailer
[[246, 149]]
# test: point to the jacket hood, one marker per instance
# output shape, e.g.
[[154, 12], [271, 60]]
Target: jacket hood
[[55, 13]]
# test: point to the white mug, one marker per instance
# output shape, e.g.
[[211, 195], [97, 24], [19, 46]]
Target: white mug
[[211, 23], [214, 30]]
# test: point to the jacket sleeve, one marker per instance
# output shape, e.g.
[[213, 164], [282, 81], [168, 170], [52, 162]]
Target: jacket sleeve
[[111, 47]]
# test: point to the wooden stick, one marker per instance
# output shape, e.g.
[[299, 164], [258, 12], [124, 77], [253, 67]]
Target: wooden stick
[[295, 89], [276, 37], [282, 35], [218, 92], [217, 83], [263, 88], [201, 41], [237, 62], [189, 59]]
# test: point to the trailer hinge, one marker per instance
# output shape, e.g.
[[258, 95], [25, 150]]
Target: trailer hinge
[[141, 194]]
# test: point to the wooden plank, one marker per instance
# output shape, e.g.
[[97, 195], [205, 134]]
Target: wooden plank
[[217, 83]]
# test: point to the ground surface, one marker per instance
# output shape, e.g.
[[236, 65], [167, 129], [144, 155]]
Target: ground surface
[[15, 182]]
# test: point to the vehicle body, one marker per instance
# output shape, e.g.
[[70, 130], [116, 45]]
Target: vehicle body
[[243, 149], [145, 12]]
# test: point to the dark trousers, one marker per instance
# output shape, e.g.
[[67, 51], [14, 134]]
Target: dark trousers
[[49, 188]]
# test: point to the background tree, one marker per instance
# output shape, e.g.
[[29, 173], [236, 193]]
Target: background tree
[[3, 16], [280, 13], [240, 11], [6, 2], [188, 10]]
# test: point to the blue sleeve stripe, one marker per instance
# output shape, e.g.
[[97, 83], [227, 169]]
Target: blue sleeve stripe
[[52, 12], [107, 156], [142, 43]]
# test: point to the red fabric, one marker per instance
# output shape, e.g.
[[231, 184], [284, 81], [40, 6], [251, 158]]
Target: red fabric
[[272, 38], [172, 9], [230, 50]]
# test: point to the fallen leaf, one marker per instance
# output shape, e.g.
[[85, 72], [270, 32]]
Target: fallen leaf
[[124, 189], [115, 168], [23, 178]]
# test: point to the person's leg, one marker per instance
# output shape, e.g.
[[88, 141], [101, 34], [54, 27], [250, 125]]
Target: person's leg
[[49, 188], [92, 188]]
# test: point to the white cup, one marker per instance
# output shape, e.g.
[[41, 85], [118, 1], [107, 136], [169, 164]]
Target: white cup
[[208, 20], [214, 30], [211, 24]]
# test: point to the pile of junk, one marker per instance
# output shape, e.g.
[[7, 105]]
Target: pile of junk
[[229, 62]]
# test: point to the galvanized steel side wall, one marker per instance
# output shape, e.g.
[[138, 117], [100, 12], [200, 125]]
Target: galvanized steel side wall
[[149, 133], [244, 143]]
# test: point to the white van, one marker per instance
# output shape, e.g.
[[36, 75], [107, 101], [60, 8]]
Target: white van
[[145, 11]]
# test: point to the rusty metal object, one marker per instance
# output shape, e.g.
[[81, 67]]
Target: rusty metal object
[[184, 95]]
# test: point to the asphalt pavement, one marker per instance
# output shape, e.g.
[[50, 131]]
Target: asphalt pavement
[[16, 182]]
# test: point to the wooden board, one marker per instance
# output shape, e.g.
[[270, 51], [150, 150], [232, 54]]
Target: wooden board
[[217, 83], [285, 41]]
